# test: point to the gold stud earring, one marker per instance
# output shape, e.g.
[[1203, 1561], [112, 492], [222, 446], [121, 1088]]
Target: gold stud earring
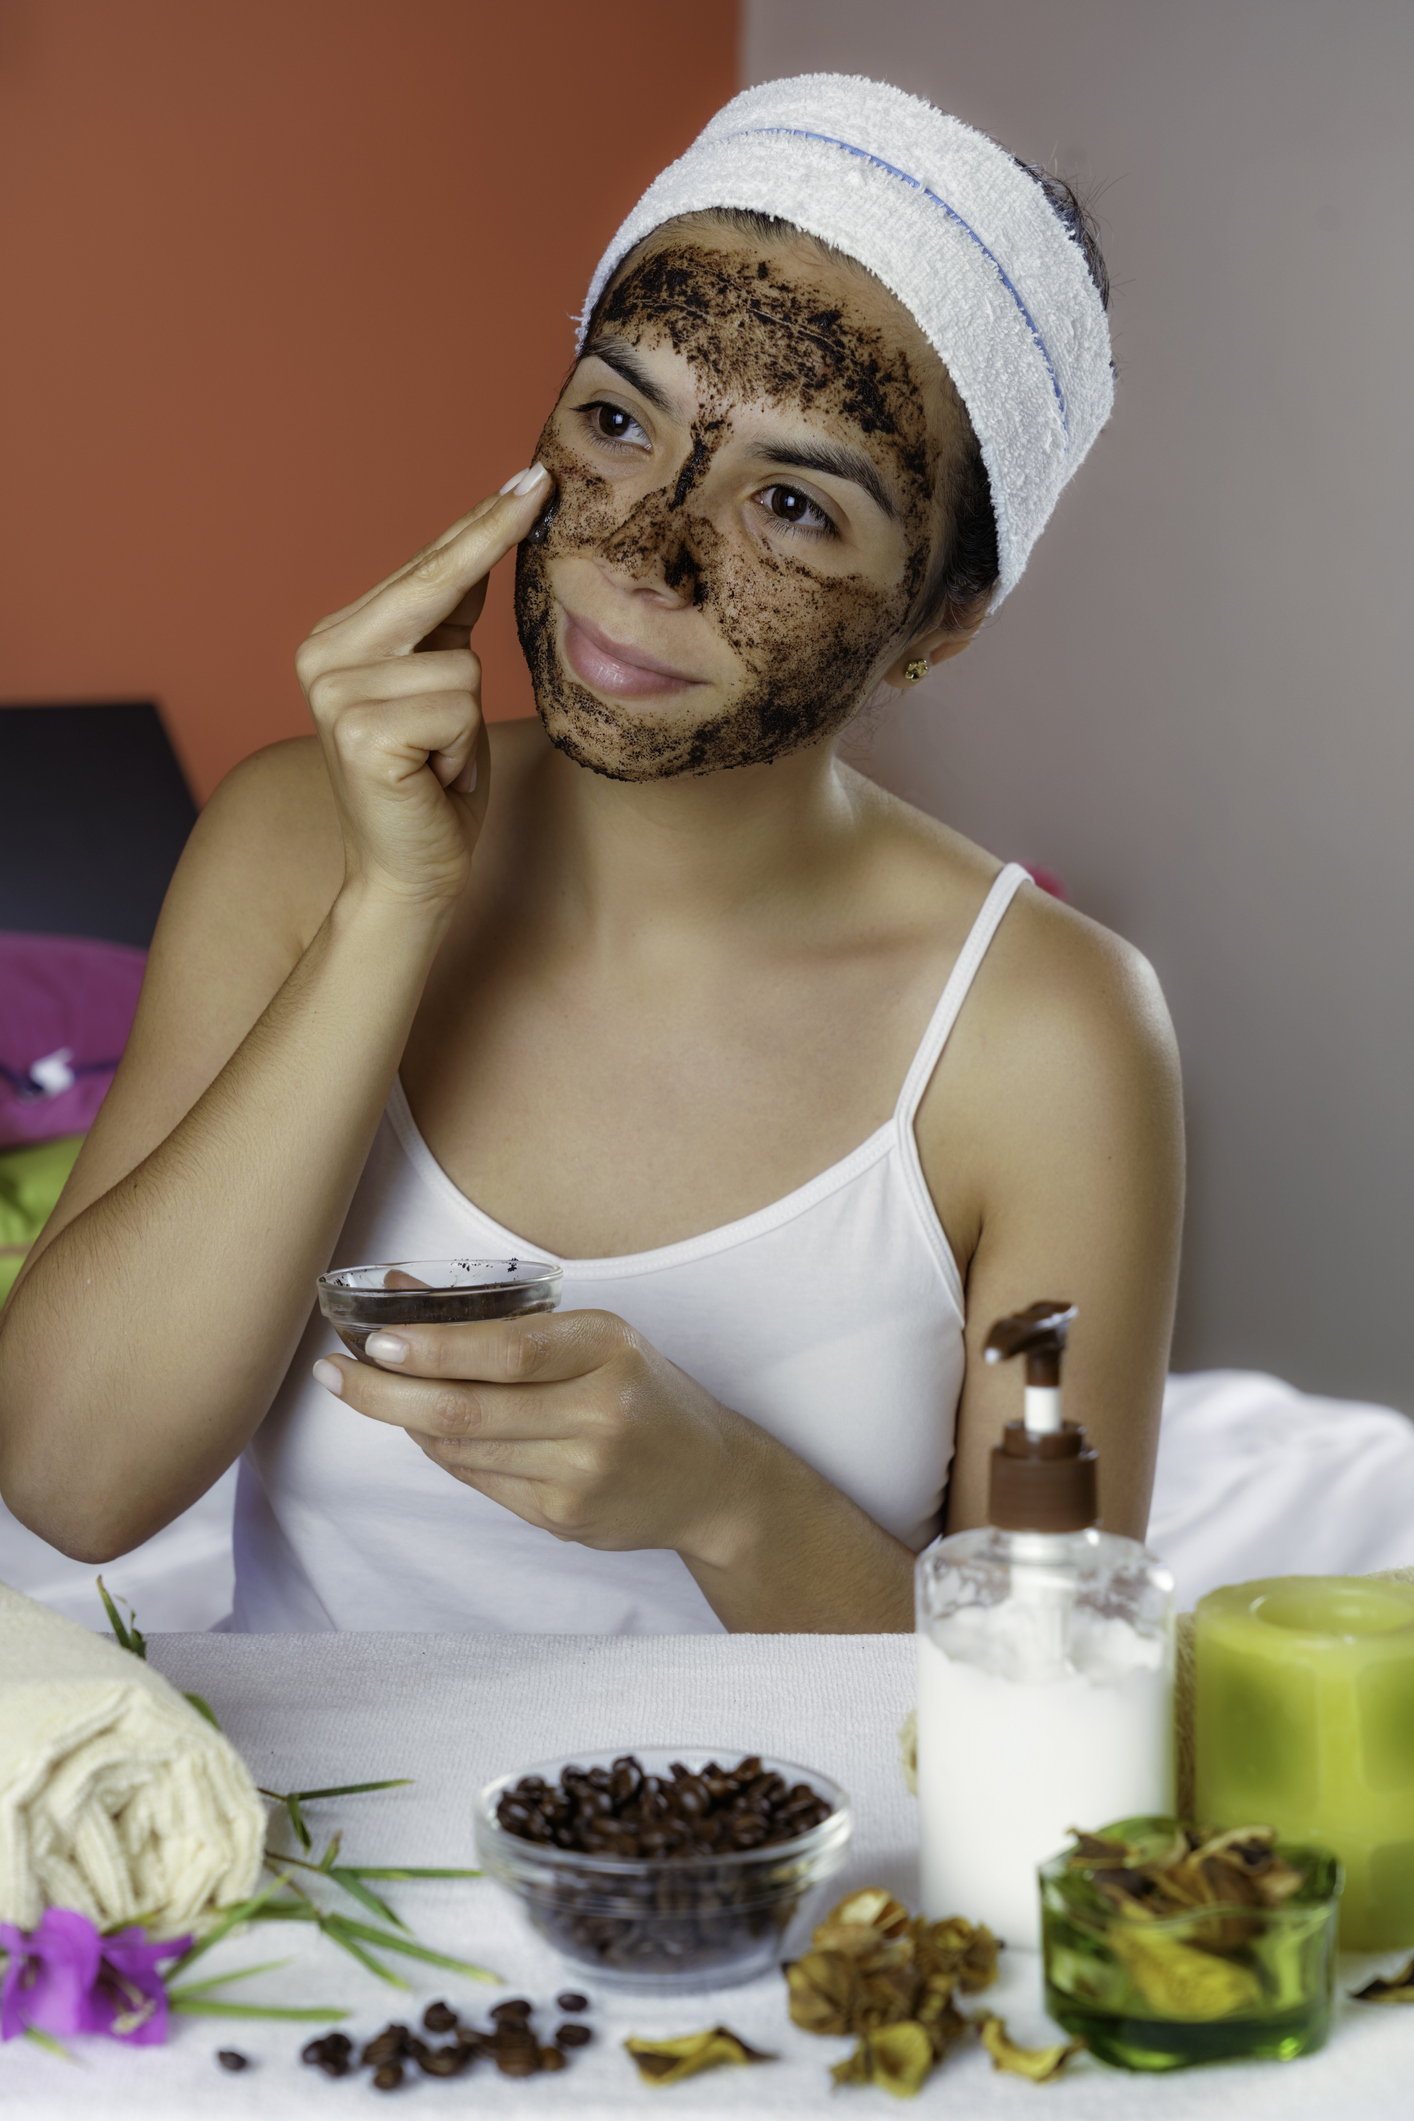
[[917, 669]]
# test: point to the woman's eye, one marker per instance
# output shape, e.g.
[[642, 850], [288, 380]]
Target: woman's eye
[[613, 423], [789, 505]]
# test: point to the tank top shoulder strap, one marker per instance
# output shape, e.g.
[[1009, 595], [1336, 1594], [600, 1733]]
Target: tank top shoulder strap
[[955, 993]]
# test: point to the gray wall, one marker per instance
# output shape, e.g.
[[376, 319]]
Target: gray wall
[[1197, 705]]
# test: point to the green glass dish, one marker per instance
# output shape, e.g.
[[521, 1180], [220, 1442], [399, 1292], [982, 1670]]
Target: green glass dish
[[1208, 1986]]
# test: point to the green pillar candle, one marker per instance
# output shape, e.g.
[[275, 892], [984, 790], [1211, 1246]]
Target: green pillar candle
[[1304, 1720]]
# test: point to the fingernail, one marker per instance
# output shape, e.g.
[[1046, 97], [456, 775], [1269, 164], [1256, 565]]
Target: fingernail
[[529, 480], [331, 1377], [465, 784], [512, 484], [386, 1347]]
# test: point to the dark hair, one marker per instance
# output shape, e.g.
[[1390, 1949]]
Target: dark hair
[[966, 564]]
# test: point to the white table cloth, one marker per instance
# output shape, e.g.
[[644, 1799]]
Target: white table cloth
[[455, 1711]]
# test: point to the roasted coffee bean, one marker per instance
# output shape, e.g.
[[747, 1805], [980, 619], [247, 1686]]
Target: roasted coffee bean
[[507, 2037], [518, 2061], [551, 2058], [312, 2051], [439, 2018], [571, 2000], [231, 2058], [574, 2035], [624, 1812], [442, 2061], [388, 2077], [386, 2046], [334, 2065], [517, 2007]]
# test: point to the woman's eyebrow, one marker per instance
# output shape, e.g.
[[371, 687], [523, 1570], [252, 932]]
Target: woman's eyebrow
[[836, 461], [625, 362]]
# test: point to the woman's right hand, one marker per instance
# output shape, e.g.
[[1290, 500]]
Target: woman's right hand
[[395, 692]]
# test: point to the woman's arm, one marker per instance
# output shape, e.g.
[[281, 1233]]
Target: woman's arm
[[155, 1319], [1052, 1139]]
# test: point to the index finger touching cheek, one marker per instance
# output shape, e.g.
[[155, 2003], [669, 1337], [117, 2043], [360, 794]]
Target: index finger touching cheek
[[403, 610], [542, 1349]]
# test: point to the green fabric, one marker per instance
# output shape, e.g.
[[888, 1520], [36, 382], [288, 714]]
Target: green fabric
[[31, 1180]]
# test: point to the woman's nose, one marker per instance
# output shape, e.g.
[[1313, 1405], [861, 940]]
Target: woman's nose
[[653, 547]]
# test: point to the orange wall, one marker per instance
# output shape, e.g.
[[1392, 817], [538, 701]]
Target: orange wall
[[287, 286]]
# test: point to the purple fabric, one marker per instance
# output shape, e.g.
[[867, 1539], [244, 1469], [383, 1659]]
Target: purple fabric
[[61, 994], [63, 1978]]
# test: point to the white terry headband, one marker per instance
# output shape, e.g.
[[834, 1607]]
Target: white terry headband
[[965, 239]]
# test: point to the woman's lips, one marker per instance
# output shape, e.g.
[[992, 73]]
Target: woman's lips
[[610, 666]]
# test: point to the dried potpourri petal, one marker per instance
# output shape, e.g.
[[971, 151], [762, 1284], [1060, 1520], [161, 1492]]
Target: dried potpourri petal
[[870, 1927], [1399, 1988], [955, 1951], [1040, 2064], [942, 2021], [824, 1992], [1180, 1981], [669, 2061], [898, 2058]]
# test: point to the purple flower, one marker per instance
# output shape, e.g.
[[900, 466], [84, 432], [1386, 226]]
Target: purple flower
[[65, 1978]]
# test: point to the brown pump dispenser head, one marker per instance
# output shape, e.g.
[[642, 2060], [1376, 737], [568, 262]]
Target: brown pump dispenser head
[[1043, 1477]]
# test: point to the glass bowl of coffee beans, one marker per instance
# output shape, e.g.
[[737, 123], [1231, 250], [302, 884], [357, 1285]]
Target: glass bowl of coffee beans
[[358, 1301], [664, 1869]]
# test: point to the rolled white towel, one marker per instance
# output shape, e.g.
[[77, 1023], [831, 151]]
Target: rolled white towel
[[117, 1798]]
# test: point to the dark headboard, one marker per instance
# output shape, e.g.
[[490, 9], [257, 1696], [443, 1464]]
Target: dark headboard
[[94, 812]]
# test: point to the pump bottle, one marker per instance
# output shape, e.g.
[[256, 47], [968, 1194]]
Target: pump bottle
[[1045, 1663]]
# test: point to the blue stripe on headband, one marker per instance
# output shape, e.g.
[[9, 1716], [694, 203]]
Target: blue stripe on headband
[[796, 132]]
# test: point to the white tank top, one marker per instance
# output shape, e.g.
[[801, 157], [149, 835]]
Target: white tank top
[[833, 1318]]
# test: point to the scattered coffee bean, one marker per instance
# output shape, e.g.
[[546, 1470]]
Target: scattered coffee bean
[[518, 2061], [443, 2061], [516, 2008], [574, 2036], [571, 2001], [440, 2018], [231, 2058], [388, 2077], [551, 2058]]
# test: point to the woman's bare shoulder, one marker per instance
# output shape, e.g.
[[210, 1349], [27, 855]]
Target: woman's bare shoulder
[[273, 823]]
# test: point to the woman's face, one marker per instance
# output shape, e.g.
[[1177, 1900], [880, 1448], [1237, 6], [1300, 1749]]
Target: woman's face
[[746, 459]]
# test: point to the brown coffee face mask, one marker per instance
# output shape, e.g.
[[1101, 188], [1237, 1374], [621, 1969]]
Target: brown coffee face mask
[[755, 328]]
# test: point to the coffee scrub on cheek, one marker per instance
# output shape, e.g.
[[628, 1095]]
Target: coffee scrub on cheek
[[755, 330]]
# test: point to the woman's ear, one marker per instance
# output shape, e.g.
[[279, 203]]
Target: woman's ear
[[937, 646]]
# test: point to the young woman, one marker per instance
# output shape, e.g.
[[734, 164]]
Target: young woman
[[800, 1087]]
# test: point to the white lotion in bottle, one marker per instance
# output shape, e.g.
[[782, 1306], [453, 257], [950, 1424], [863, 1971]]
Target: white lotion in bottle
[[1045, 1664]]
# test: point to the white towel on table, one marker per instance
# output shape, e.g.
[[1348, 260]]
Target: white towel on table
[[116, 1798]]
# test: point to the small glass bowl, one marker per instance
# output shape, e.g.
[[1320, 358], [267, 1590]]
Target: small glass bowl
[[358, 1301], [664, 1923], [1212, 1985]]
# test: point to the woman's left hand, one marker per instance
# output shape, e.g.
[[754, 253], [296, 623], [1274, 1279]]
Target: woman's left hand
[[572, 1420]]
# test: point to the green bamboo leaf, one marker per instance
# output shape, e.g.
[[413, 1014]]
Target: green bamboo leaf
[[129, 1638], [330, 1856], [391, 1943], [390, 1871], [203, 1708], [244, 1912], [51, 2045], [242, 1973], [351, 1789], [199, 2007], [297, 1820], [332, 1927], [359, 1892]]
